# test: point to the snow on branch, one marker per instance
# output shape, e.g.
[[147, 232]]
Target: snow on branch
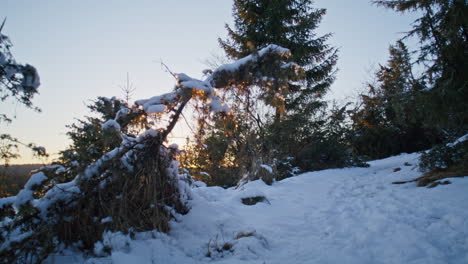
[[270, 49], [241, 71], [17, 80], [221, 77], [156, 104], [100, 172]]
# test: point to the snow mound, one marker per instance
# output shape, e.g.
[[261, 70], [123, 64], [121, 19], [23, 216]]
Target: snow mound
[[351, 215], [111, 124]]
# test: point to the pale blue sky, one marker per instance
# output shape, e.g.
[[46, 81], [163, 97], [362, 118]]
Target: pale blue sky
[[83, 49]]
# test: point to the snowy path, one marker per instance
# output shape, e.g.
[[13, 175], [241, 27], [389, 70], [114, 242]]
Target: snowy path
[[335, 216]]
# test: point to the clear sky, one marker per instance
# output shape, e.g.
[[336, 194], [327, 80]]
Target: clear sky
[[84, 49]]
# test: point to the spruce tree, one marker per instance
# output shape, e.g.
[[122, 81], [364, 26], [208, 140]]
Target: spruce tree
[[90, 140], [298, 105], [390, 121], [442, 31], [18, 83], [278, 114], [290, 24]]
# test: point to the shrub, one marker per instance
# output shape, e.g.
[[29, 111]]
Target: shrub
[[325, 155], [108, 195], [444, 161], [443, 157]]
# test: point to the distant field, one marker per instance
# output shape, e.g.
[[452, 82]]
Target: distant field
[[13, 178]]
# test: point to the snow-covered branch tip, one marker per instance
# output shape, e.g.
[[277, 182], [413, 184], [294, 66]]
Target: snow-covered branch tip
[[218, 79], [270, 49]]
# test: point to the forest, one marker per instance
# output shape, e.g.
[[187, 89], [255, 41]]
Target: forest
[[261, 120]]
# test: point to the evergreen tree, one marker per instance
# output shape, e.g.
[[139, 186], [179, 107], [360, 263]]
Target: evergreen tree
[[277, 115], [290, 24], [91, 140], [442, 31], [390, 120], [20, 83]]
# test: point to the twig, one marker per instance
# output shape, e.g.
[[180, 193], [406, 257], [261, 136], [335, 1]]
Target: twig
[[3, 24], [186, 122], [163, 65]]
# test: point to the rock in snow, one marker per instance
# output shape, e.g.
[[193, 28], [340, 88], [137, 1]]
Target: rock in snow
[[352, 215]]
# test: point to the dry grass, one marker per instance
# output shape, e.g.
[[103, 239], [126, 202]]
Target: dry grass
[[135, 201], [430, 178], [434, 178], [214, 248], [244, 234]]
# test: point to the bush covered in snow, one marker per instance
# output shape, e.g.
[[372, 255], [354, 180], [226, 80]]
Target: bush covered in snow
[[444, 161], [444, 156]]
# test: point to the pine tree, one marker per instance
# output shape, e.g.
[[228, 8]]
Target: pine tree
[[90, 140], [390, 120], [290, 24], [273, 138], [442, 31], [20, 83]]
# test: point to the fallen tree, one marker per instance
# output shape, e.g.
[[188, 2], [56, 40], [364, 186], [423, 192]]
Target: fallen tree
[[134, 187]]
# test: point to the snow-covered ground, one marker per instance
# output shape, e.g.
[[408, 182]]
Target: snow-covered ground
[[352, 215]]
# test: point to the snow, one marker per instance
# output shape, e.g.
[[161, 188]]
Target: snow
[[351, 215], [40, 149], [155, 109], [7, 201], [253, 57], [111, 124], [26, 194], [99, 249], [147, 133], [217, 106], [35, 179], [290, 65], [459, 140], [60, 192], [251, 190], [16, 236], [187, 82], [160, 99], [267, 167], [173, 146], [106, 220]]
